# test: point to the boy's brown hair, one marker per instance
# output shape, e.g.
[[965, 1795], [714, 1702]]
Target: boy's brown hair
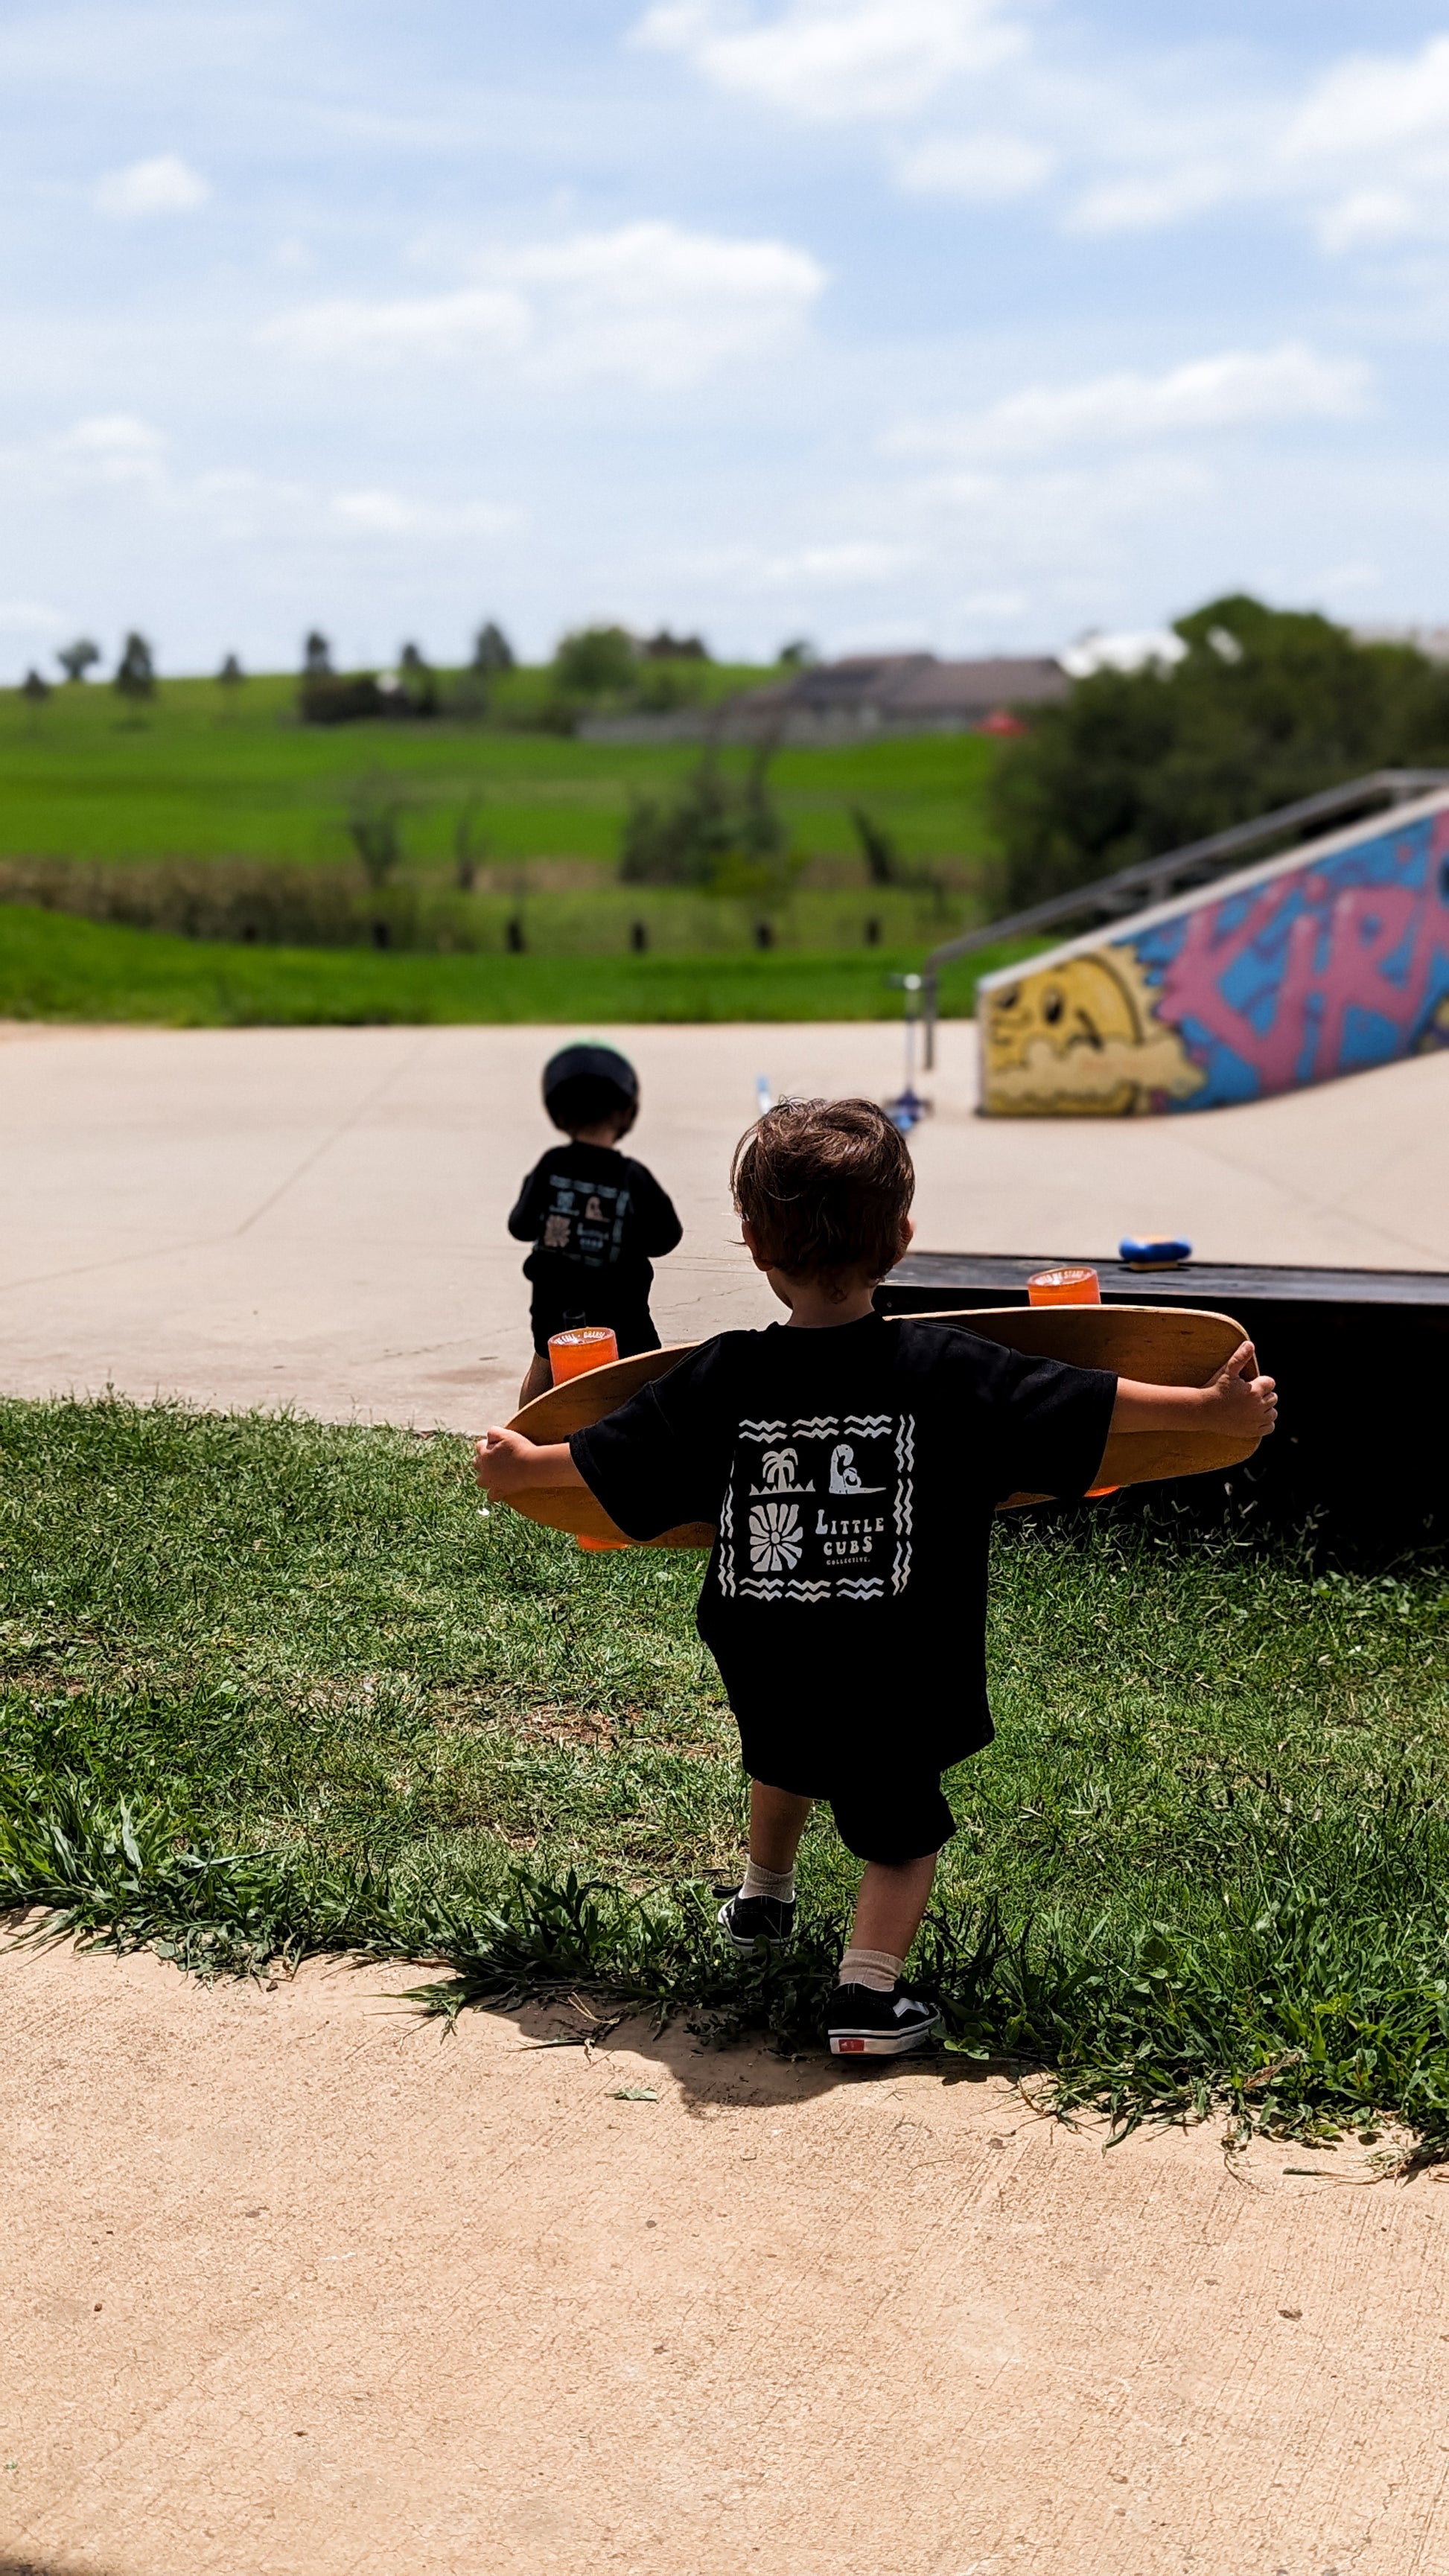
[[825, 1187]]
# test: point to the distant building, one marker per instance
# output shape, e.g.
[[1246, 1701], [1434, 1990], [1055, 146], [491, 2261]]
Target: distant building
[[866, 696], [897, 693]]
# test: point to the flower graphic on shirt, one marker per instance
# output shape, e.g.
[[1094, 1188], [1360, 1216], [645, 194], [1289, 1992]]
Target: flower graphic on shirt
[[775, 1538]]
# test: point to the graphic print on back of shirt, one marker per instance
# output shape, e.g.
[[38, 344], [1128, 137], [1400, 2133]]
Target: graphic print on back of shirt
[[819, 1509], [585, 1220]]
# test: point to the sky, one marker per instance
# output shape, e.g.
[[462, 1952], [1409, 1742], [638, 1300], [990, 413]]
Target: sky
[[969, 325]]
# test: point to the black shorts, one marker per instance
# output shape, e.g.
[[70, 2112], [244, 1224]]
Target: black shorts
[[892, 1817]]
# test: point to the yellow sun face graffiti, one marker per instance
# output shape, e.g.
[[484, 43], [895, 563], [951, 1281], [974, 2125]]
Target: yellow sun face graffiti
[[1080, 1038]]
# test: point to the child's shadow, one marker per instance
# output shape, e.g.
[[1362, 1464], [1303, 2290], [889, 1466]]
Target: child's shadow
[[744, 2074]]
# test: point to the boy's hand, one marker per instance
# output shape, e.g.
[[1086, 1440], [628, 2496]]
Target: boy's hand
[[505, 1464], [1237, 1401], [1245, 1403]]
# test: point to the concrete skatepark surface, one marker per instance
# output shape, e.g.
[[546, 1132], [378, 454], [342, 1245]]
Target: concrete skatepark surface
[[299, 2285], [295, 2282], [316, 1216]]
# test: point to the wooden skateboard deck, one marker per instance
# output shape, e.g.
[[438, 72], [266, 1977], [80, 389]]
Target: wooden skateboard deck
[[1159, 1345]]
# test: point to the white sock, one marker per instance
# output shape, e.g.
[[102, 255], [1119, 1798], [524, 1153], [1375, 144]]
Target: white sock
[[779, 1883], [878, 1969]]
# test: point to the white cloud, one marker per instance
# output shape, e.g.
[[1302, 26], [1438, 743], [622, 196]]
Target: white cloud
[[1371, 103], [1366, 218], [165, 186], [30, 617], [1361, 154], [648, 301], [393, 514], [474, 321], [1146, 200], [112, 447], [1238, 389], [984, 169], [850, 564], [829, 59]]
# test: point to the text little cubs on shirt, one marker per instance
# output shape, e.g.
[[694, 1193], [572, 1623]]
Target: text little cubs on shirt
[[819, 1509]]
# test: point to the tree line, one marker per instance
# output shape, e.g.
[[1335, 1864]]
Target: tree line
[[1263, 706]]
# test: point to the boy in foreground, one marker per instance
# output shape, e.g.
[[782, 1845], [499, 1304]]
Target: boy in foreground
[[851, 1464], [596, 1219]]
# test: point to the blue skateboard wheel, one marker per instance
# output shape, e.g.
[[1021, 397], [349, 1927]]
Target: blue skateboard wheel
[[1154, 1251]]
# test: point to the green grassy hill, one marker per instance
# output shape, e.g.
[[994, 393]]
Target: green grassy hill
[[206, 773], [217, 814]]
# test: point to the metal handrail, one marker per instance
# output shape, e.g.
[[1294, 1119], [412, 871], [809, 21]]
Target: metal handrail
[[1150, 881]]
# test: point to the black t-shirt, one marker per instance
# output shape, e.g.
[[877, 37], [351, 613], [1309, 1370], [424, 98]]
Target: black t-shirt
[[851, 1474], [594, 1217]]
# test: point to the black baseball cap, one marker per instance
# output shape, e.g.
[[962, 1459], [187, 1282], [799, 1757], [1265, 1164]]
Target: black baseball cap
[[584, 1083]]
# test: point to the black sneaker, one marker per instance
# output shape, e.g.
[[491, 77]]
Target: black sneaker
[[860, 2022], [746, 1920]]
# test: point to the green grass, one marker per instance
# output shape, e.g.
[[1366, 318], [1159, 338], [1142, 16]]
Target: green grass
[[202, 774], [267, 1686], [53, 966]]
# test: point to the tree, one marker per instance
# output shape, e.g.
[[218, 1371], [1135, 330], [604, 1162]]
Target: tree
[[374, 826], [721, 832], [33, 689], [798, 654], [78, 658], [665, 647], [469, 844], [135, 673], [595, 660], [882, 859], [1266, 705], [491, 650], [231, 674], [316, 657], [419, 686]]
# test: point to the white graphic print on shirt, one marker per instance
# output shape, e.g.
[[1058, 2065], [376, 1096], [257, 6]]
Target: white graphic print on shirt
[[585, 1219], [819, 1509]]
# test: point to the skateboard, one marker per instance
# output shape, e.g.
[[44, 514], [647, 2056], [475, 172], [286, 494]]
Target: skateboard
[[1159, 1345]]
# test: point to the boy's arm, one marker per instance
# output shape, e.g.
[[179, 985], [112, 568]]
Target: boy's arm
[[1237, 1399], [506, 1464], [523, 1220], [660, 1226]]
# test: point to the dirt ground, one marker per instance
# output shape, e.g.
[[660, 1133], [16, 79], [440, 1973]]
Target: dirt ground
[[296, 2284]]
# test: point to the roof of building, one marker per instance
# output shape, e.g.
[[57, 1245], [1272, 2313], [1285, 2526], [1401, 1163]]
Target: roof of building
[[915, 684]]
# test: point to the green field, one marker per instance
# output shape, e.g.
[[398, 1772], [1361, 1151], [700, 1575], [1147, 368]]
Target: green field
[[216, 815], [269, 1687], [204, 773], [53, 967]]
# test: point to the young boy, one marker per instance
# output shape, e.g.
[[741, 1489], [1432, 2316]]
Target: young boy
[[593, 1216], [851, 1464]]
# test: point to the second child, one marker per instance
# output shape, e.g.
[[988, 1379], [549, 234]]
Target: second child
[[596, 1219]]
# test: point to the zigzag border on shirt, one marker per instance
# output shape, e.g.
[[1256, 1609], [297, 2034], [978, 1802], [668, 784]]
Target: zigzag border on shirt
[[858, 1588], [762, 1430], [905, 1463], [727, 1543], [869, 1426]]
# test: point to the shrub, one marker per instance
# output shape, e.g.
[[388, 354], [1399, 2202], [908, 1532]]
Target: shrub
[[595, 661], [722, 832]]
